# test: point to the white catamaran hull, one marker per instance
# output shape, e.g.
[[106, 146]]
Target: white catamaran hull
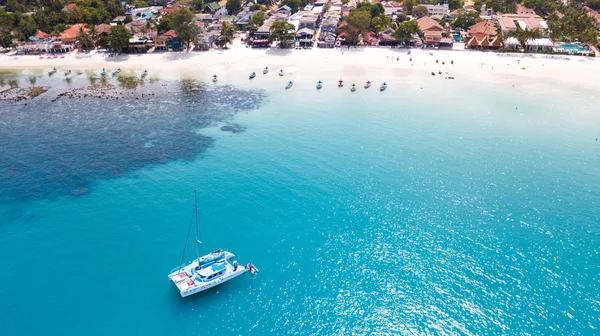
[[191, 280]]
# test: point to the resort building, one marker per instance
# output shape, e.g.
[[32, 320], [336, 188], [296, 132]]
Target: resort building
[[440, 9], [386, 38], [510, 22], [535, 45], [72, 33], [433, 33], [392, 9], [483, 41]]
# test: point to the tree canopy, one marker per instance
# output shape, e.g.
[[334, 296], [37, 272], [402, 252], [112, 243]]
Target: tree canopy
[[357, 23], [283, 32], [420, 11], [119, 37], [226, 37], [233, 6], [258, 19], [185, 27], [465, 19], [406, 30]]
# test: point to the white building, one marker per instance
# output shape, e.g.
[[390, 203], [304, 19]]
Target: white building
[[439, 9]]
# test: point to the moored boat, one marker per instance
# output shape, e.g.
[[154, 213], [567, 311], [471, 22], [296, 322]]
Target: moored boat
[[215, 78], [281, 72], [68, 72], [252, 75], [289, 85], [319, 85], [353, 88], [144, 74], [383, 86], [116, 71], [206, 271], [103, 72], [340, 83], [367, 84], [52, 72], [265, 70]]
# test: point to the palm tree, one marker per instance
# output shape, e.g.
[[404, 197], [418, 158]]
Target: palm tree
[[93, 34], [227, 32]]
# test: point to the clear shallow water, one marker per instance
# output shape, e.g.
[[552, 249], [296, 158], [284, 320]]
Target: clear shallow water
[[399, 212]]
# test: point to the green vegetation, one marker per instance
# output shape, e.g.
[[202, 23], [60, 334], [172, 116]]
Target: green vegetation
[[283, 32], [226, 37], [233, 6], [51, 16], [420, 11], [357, 23], [522, 35], [119, 37], [465, 19], [574, 25], [406, 30], [258, 19], [185, 27], [594, 4]]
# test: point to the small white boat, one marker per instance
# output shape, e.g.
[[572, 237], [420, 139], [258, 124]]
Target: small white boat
[[116, 72], [367, 84], [206, 271], [215, 78], [144, 74], [281, 72], [265, 70], [340, 83], [252, 75], [103, 72], [289, 85], [52, 72], [319, 85], [68, 72], [383, 86], [353, 88]]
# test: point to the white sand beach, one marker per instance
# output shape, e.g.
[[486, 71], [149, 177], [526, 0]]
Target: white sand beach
[[234, 64]]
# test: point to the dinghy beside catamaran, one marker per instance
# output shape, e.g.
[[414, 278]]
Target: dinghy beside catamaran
[[206, 271]]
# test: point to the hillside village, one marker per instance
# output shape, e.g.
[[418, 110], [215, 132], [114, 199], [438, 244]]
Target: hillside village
[[143, 27]]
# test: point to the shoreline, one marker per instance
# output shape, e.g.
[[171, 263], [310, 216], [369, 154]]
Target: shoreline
[[234, 65]]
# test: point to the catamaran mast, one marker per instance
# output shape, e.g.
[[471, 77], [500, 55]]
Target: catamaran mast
[[196, 215]]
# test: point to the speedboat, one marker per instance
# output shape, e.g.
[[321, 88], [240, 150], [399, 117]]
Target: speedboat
[[289, 85], [265, 70], [252, 75], [319, 85], [281, 72], [383, 86], [116, 71], [144, 74], [103, 72], [215, 78], [52, 72], [367, 84], [340, 83], [353, 88], [68, 72], [206, 271]]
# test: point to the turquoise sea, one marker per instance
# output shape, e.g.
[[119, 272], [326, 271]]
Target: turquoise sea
[[460, 209]]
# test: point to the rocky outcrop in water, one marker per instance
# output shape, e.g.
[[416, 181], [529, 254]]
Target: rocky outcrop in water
[[16, 94]]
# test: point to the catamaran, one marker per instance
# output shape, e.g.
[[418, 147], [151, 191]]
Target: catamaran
[[206, 271]]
